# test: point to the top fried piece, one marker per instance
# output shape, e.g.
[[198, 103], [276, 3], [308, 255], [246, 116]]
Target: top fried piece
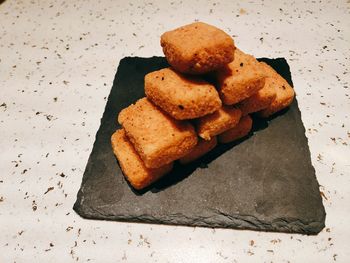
[[197, 48], [182, 97], [213, 124], [240, 79], [284, 92], [158, 138]]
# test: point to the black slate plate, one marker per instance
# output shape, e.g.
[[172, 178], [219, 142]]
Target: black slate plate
[[263, 182]]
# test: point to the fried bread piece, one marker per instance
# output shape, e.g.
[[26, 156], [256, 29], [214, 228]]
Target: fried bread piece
[[260, 100], [239, 131], [131, 164], [158, 138], [240, 79], [284, 92], [215, 123], [182, 97], [197, 48], [201, 149]]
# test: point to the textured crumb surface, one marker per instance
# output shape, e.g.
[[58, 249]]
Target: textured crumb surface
[[158, 138], [131, 164], [181, 96], [197, 48]]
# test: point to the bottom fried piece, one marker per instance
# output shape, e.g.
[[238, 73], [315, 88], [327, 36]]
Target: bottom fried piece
[[284, 92], [131, 164], [260, 100], [215, 123], [199, 150], [239, 131]]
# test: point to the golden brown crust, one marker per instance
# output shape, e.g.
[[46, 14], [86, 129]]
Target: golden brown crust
[[260, 100], [197, 48], [240, 79], [284, 92], [131, 164], [158, 138], [182, 97], [239, 131], [215, 123], [201, 149]]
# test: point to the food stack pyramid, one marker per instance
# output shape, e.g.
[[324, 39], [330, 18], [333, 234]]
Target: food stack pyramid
[[184, 116]]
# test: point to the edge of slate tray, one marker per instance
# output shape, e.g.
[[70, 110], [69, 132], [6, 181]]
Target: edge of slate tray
[[245, 222], [218, 219]]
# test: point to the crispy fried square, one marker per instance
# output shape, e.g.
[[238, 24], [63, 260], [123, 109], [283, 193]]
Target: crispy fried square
[[201, 149], [260, 100], [284, 92], [131, 164], [240, 79], [213, 124], [182, 97], [197, 48], [239, 131], [158, 138]]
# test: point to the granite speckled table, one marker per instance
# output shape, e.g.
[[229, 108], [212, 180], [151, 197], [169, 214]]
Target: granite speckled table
[[57, 63]]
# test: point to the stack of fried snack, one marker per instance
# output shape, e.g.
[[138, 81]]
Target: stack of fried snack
[[183, 116]]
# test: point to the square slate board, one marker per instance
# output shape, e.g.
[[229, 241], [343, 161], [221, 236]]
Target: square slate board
[[263, 182]]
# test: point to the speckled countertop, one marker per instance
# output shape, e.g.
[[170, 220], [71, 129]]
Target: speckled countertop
[[57, 64]]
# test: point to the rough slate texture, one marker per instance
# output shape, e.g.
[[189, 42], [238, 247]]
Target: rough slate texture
[[264, 182]]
